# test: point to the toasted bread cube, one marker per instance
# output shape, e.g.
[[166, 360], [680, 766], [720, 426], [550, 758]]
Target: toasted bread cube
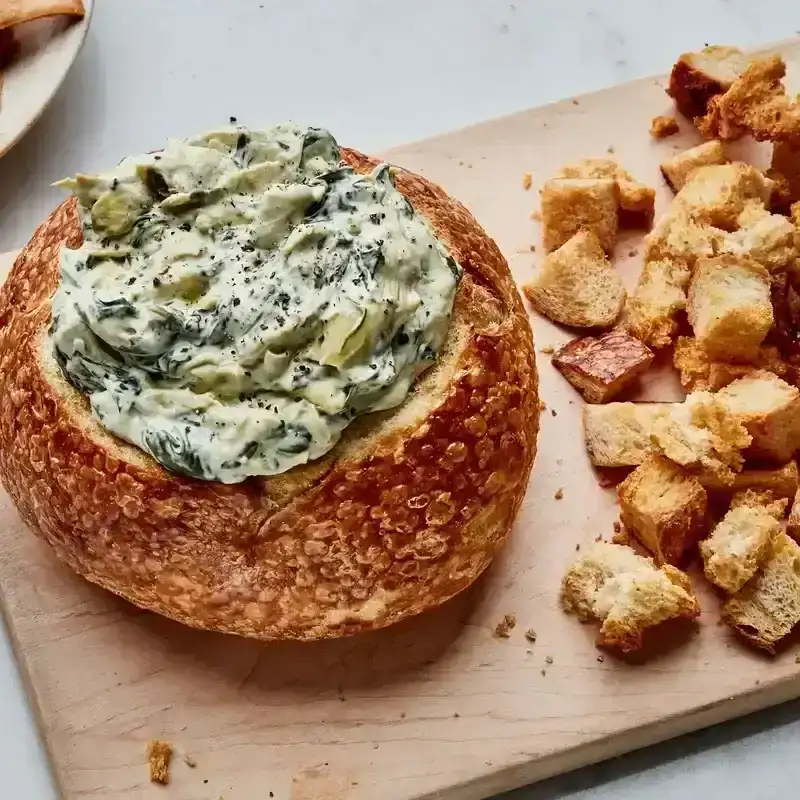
[[577, 286], [793, 523], [601, 367], [665, 508], [702, 435], [770, 410], [698, 372], [785, 171], [678, 169], [762, 499], [716, 195], [768, 607], [627, 593], [678, 238], [768, 239], [662, 126], [652, 313], [739, 544], [729, 306], [780, 482], [572, 205], [697, 77], [636, 200], [618, 434], [757, 102]]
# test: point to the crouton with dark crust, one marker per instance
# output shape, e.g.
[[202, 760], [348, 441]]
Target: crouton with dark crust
[[601, 367]]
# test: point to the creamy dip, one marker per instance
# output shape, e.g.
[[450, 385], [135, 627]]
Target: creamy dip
[[240, 297]]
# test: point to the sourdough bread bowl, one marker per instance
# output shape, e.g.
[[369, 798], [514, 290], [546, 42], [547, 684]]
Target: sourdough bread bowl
[[406, 510]]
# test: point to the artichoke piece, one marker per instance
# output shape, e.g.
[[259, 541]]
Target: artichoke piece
[[188, 201], [116, 210]]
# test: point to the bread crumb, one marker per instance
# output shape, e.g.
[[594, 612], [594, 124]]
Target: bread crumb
[[554, 412], [189, 761], [544, 672], [575, 101], [542, 406], [661, 127], [527, 181], [577, 547], [601, 658], [536, 216], [548, 659], [633, 253], [532, 248], [505, 626], [599, 537], [456, 715], [610, 149], [797, 659], [530, 635], [159, 755], [559, 495], [548, 350]]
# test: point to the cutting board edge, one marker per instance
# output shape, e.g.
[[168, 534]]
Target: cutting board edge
[[618, 744]]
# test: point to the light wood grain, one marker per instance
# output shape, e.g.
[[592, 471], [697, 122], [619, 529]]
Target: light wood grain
[[437, 707]]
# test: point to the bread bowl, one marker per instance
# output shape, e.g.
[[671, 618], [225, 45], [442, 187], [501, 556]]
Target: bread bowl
[[403, 513]]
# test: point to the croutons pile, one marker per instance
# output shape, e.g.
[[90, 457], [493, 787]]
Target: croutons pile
[[720, 287]]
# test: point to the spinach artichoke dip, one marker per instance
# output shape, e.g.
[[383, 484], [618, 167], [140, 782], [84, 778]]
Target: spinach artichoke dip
[[241, 297]]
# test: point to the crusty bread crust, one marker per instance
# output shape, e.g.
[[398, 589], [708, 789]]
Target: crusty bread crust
[[406, 511]]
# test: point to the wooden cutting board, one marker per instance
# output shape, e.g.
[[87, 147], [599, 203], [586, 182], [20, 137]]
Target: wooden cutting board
[[437, 707]]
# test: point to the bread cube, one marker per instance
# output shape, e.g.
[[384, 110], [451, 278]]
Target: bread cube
[[636, 200], [698, 372], [793, 523], [757, 102], [665, 508], [678, 169], [652, 312], [716, 195], [572, 205], [702, 435], [762, 499], [618, 434], [697, 77], [770, 410], [577, 286], [739, 544], [768, 607], [785, 170], [601, 367], [627, 593], [768, 239], [678, 238], [729, 306], [780, 482]]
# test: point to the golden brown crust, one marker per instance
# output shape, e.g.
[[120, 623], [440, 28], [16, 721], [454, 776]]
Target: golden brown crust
[[403, 514]]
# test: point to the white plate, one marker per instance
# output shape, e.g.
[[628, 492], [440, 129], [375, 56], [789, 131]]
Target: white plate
[[48, 48]]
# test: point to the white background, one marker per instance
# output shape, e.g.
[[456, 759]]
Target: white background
[[378, 73]]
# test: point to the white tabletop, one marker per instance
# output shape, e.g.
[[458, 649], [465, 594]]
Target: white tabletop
[[377, 73]]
